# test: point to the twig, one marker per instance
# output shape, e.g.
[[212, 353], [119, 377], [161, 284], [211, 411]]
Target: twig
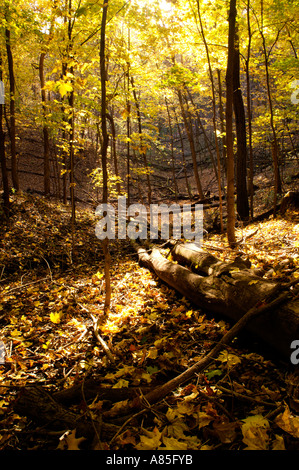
[[24, 285], [97, 335], [126, 423], [50, 272], [100, 339], [245, 397], [97, 429]]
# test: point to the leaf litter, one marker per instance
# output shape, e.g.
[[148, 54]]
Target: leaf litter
[[51, 289]]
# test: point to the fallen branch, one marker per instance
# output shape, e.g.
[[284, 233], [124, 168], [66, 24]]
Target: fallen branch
[[100, 340]]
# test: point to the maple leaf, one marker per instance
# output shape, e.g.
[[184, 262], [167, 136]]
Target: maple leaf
[[55, 317], [225, 431], [255, 433], [149, 440], [69, 441], [171, 443], [288, 422]]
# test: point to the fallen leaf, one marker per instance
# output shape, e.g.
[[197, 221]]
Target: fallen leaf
[[255, 433], [69, 441], [288, 422], [149, 440]]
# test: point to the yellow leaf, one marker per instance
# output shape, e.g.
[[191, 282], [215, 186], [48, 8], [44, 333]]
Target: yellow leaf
[[288, 422], [173, 444], [150, 440], [121, 384], [203, 419], [69, 441], [255, 433], [230, 358], [278, 444], [16, 333], [64, 88], [56, 317], [152, 353]]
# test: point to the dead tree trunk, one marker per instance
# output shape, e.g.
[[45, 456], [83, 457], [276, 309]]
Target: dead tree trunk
[[227, 289]]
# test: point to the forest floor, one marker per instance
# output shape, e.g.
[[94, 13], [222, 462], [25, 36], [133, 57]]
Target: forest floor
[[52, 286]]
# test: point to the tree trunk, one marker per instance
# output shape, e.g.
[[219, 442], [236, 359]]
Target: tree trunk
[[183, 155], [242, 196], [249, 113], [104, 149], [230, 167], [176, 190], [142, 149], [274, 144], [45, 128], [12, 121], [227, 289], [192, 146], [3, 156], [218, 174], [113, 151]]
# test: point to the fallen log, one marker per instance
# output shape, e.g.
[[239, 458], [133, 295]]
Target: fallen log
[[230, 290]]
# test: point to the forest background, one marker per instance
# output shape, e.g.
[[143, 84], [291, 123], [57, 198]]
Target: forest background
[[166, 66], [167, 101]]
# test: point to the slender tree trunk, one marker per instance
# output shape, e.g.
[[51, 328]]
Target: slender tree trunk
[[192, 146], [72, 156], [230, 167], [113, 151], [142, 150], [71, 99], [214, 117], [242, 195], [104, 149], [183, 155], [128, 137], [274, 144], [3, 156], [12, 125], [45, 128], [222, 127], [172, 152], [207, 141], [249, 113]]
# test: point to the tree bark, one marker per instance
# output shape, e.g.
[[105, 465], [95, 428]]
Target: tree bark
[[227, 289], [241, 186], [218, 174], [3, 157], [45, 128], [142, 148], [12, 120], [230, 167], [274, 144], [192, 146], [105, 142]]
